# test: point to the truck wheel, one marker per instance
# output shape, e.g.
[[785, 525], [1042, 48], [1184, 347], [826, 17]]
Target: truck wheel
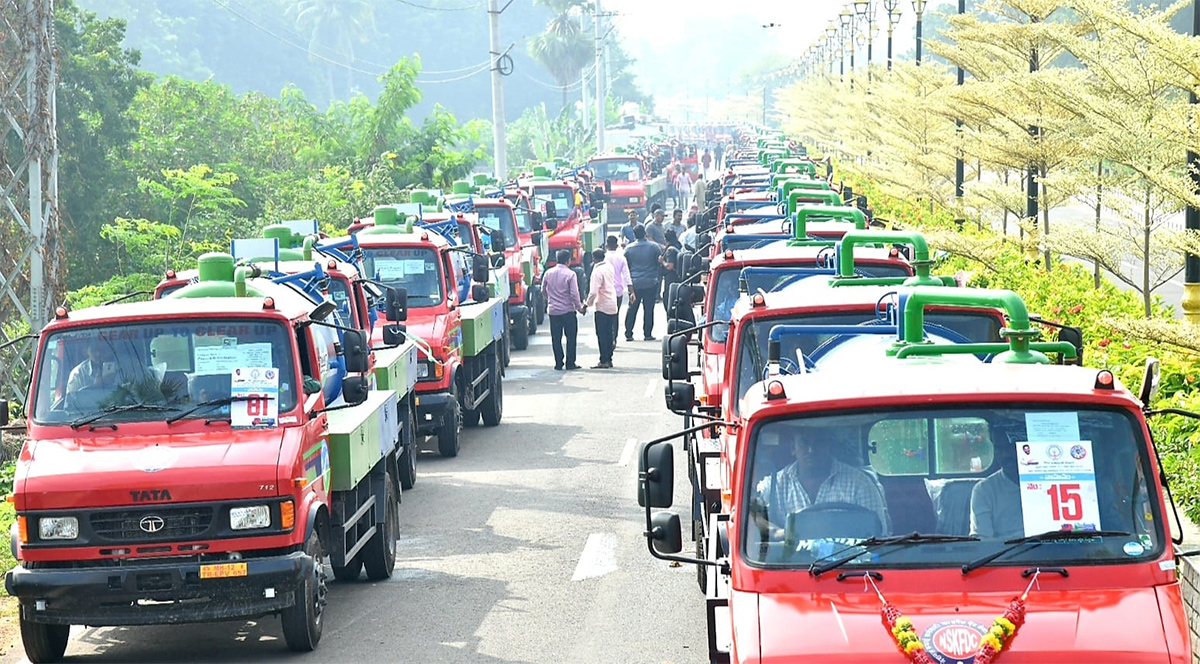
[[493, 406], [470, 418], [506, 349], [350, 572], [540, 307], [43, 642], [448, 433], [303, 621], [379, 555], [408, 455], [520, 333]]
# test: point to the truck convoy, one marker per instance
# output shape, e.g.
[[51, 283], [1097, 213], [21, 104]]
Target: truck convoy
[[186, 460], [892, 468]]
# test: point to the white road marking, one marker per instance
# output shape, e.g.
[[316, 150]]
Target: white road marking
[[599, 557], [627, 452], [651, 386]]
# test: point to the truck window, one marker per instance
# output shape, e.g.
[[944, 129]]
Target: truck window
[[501, 219], [625, 170], [524, 220], [339, 292], [412, 268], [563, 198], [994, 471], [170, 363]]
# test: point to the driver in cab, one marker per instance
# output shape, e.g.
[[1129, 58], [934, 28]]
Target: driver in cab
[[88, 373], [815, 477]]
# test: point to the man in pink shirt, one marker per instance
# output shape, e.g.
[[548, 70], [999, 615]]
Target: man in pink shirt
[[616, 259], [562, 302], [603, 295]]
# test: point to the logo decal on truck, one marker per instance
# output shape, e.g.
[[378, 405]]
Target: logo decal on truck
[[152, 523], [953, 641], [150, 496]]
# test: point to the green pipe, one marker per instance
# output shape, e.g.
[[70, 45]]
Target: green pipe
[[781, 164], [834, 212], [822, 197], [1004, 354], [310, 243], [920, 262], [239, 279], [1019, 333], [790, 183], [840, 281]]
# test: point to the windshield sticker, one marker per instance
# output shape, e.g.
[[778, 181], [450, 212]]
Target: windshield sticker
[[1052, 427], [1058, 486], [953, 641], [255, 393], [1134, 549], [228, 356]]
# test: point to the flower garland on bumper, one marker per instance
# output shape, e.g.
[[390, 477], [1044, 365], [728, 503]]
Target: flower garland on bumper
[[995, 640]]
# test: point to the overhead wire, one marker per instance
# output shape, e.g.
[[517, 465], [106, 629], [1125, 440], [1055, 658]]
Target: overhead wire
[[486, 66], [441, 9], [291, 43]]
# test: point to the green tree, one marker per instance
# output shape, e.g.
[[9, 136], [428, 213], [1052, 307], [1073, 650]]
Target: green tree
[[563, 48]]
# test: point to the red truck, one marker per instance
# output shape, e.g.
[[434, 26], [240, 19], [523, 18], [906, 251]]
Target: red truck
[[629, 181], [184, 462]]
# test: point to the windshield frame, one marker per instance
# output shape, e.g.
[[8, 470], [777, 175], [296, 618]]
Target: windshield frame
[[592, 166], [289, 400], [414, 301], [508, 228], [1029, 557]]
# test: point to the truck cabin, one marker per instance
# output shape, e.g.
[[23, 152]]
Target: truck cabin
[[562, 209], [621, 169], [500, 216]]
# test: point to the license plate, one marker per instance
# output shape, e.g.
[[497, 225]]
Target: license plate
[[223, 571]]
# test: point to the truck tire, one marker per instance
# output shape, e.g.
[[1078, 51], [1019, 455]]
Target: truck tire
[[43, 642], [379, 555], [470, 418], [539, 307], [408, 455], [493, 406], [520, 333], [350, 572], [304, 620], [447, 435], [505, 350]]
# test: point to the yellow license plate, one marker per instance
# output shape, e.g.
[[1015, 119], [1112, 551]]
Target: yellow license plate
[[222, 571]]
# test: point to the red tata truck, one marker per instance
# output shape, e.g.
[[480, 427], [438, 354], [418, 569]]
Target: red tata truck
[[566, 225], [184, 462], [630, 181], [1044, 535], [451, 316]]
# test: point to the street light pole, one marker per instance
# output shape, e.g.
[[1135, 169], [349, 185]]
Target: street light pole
[[959, 167], [830, 44], [893, 17], [919, 8], [1190, 303], [866, 11]]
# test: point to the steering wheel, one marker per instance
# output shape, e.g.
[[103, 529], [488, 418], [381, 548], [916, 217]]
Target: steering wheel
[[86, 398], [832, 519]]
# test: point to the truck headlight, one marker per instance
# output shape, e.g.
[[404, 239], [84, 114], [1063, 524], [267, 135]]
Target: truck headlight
[[246, 518], [58, 527], [422, 370]]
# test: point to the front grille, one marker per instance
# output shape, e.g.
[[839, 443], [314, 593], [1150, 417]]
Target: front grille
[[177, 523]]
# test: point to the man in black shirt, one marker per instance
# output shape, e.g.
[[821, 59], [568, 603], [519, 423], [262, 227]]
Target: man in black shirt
[[642, 257]]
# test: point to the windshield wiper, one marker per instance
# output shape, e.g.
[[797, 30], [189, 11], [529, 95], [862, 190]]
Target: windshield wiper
[[109, 410], [872, 543], [1034, 540], [223, 401]]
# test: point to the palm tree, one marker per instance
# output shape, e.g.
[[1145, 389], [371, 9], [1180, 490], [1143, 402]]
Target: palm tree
[[563, 49], [333, 27]]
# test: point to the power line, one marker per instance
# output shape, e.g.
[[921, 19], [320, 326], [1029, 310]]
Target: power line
[[293, 44], [294, 34], [486, 67], [441, 9]]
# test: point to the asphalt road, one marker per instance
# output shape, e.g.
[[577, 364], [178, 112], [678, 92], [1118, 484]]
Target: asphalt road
[[527, 547]]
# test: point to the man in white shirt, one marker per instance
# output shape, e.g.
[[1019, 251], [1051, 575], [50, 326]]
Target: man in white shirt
[[603, 295], [624, 282], [996, 500], [88, 373]]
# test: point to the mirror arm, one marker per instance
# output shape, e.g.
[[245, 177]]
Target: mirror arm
[[697, 328], [1172, 411], [317, 411], [332, 325], [19, 339]]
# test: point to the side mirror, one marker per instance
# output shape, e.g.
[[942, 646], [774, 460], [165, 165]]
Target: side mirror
[[3, 413], [681, 396], [551, 210], [396, 304], [356, 351], [355, 390], [536, 237], [1151, 376], [674, 358], [480, 269], [665, 533], [657, 465], [394, 335], [497, 259], [480, 292], [537, 220], [552, 224], [1074, 336], [703, 240]]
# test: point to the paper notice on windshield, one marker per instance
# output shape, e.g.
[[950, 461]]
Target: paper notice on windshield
[[1056, 427], [1058, 486], [230, 355], [255, 393], [394, 270]]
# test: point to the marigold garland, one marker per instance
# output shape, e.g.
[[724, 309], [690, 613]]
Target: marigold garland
[[995, 640]]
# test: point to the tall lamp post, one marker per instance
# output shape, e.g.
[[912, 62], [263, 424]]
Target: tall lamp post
[[848, 23], [866, 11], [842, 31], [893, 17], [959, 167], [1191, 265], [830, 43], [919, 8]]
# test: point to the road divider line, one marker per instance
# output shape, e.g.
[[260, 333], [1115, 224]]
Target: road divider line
[[627, 452], [651, 386], [599, 557]]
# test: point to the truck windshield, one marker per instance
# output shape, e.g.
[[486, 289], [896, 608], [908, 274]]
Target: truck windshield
[[174, 364], [752, 341], [625, 170], [726, 289], [411, 268], [563, 198], [992, 471], [497, 217], [339, 292], [524, 220]]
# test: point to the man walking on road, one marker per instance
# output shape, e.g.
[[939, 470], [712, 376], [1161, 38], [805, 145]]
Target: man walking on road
[[562, 302], [627, 230], [616, 259], [683, 187], [675, 225], [655, 229], [669, 261], [642, 257], [603, 295]]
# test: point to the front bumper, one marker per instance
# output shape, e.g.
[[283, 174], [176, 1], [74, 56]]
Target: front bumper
[[161, 593], [432, 408]]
